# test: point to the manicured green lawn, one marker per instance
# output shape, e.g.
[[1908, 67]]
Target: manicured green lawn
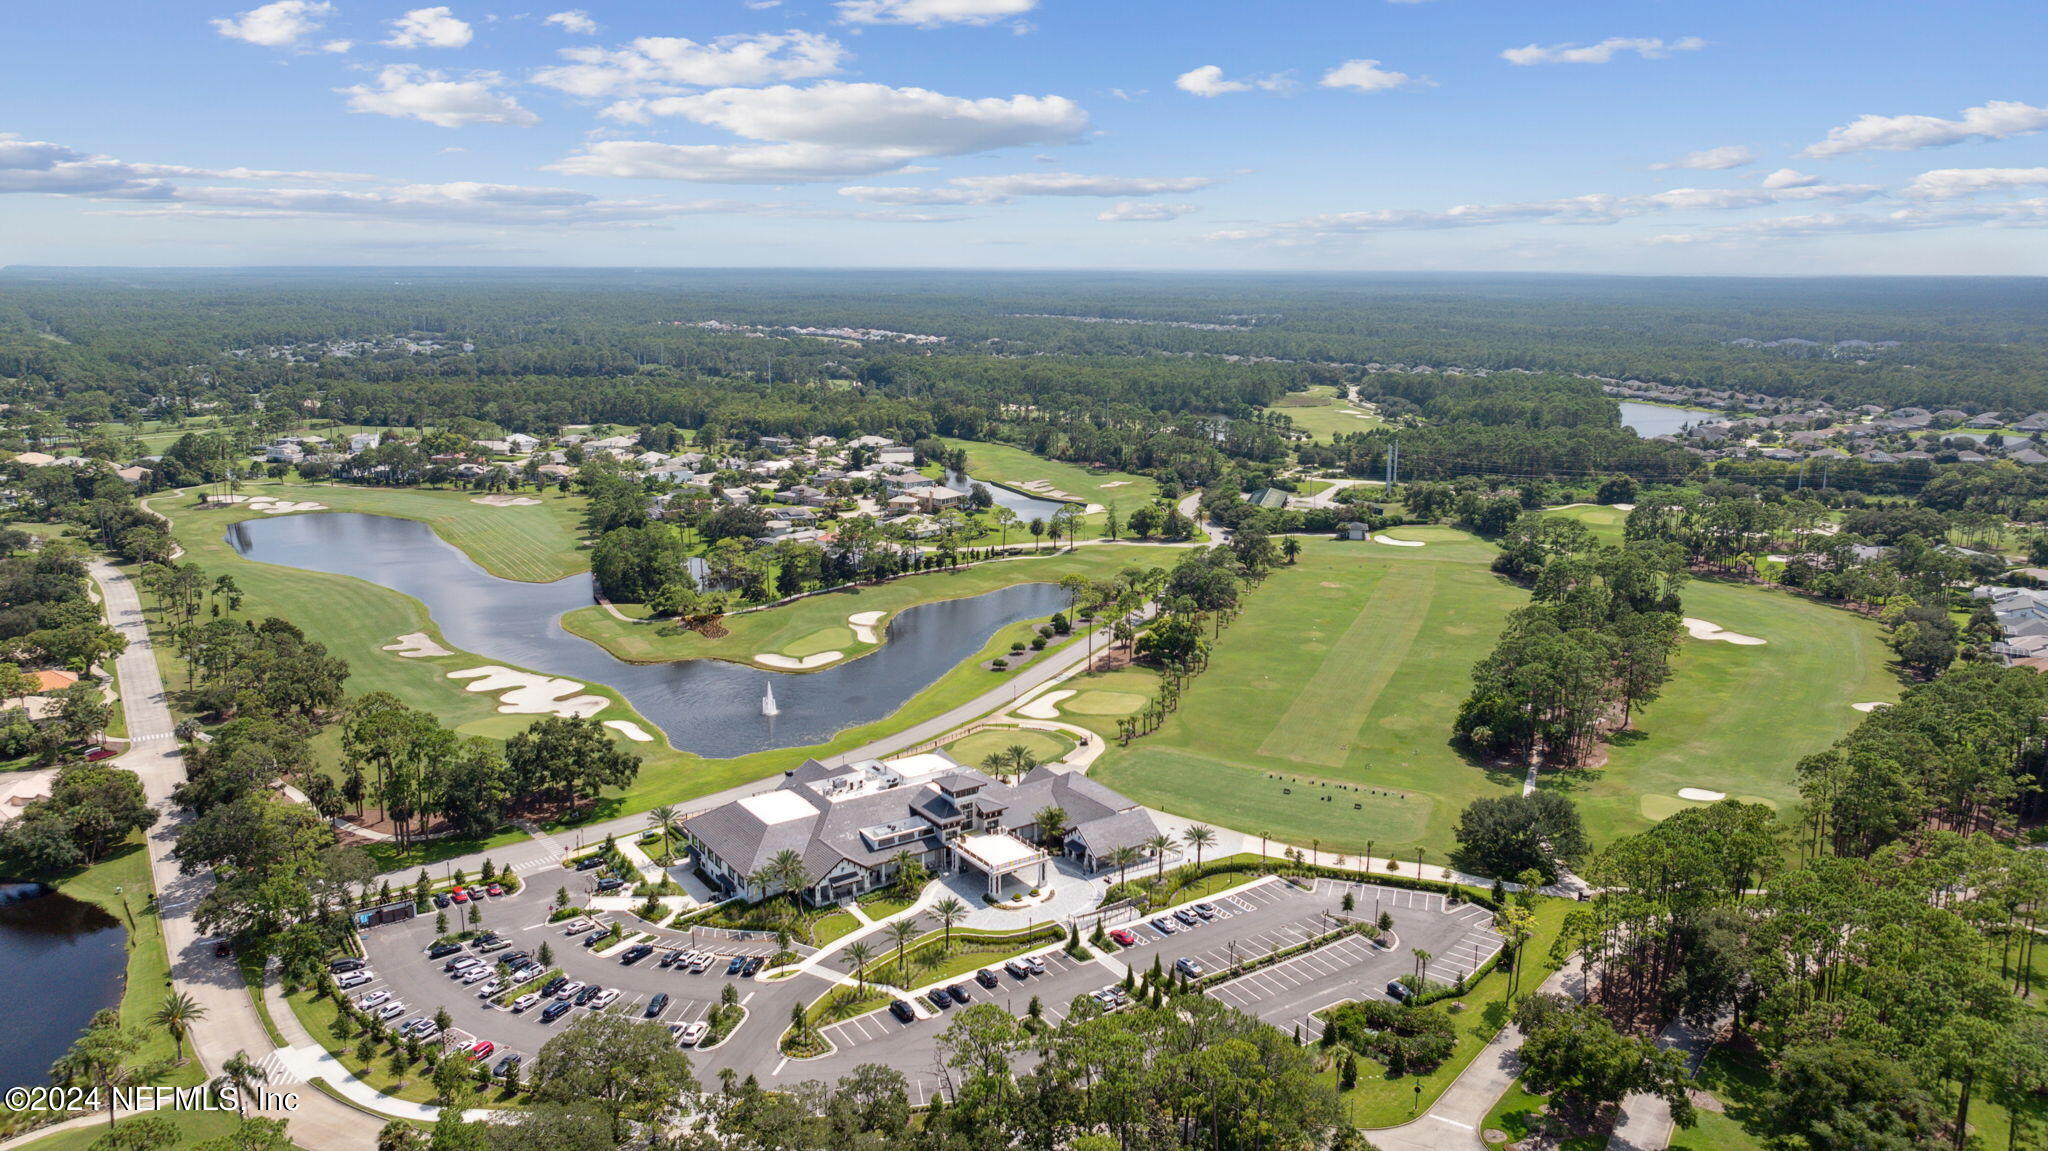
[[1327, 707], [194, 1127], [1000, 463], [1044, 746], [533, 543], [1518, 1114], [819, 623], [1606, 523], [149, 965], [1322, 413], [1736, 719]]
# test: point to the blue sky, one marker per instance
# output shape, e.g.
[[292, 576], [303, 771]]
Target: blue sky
[[1628, 137]]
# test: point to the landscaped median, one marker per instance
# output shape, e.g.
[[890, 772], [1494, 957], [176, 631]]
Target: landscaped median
[[932, 958]]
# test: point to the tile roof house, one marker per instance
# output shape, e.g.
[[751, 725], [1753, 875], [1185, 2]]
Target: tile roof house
[[850, 824]]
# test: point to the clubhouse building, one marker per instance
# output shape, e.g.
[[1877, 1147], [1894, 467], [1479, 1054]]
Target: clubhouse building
[[853, 825]]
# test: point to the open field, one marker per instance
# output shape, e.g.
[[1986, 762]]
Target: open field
[[1327, 709], [1322, 412], [1345, 669], [1606, 523], [818, 623], [1007, 465], [1044, 746]]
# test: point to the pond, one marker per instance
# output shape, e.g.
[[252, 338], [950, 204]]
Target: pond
[[709, 707], [1028, 508], [1658, 420], [65, 956]]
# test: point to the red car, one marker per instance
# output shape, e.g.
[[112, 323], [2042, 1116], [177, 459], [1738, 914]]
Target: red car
[[1124, 938], [459, 895], [100, 753], [495, 889], [482, 1050]]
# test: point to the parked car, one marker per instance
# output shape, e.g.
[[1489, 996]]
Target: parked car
[[391, 1010], [1187, 917], [406, 1028], [656, 1006], [669, 958], [587, 994], [496, 889], [1206, 910], [569, 990], [1124, 938], [692, 1034], [960, 993], [605, 999], [939, 998], [354, 979], [1189, 967], [1036, 963], [1398, 991], [525, 1001], [475, 975], [428, 1032], [372, 999], [902, 1010], [1016, 967], [481, 1049], [610, 883], [505, 1066], [441, 900], [554, 986], [754, 966], [349, 963], [987, 978], [223, 949], [635, 954], [554, 1011], [459, 895], [738, 962], [1164, 926], [442, 950], [577, 926], [596, 937], [491, 987], [462, 963], [702, 963], [521, 975], [589, 861], [490, 943]]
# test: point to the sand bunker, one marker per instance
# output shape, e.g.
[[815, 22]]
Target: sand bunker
[[1398, 543], [630, 730], [1702, 794], [417, 645], [1117, 484], [863, 625], [530, 694], [1701, 629], [1045, 706], [1872, 706], [769, 659], [1623, 507], [272, 507], [506, 501]]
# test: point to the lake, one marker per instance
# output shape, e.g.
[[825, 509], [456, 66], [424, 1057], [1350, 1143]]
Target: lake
[[65, 957], [1028, 508], [708, 707], [1657, 420]]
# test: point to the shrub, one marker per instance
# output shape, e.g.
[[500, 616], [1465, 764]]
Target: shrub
[[1410, 1039]]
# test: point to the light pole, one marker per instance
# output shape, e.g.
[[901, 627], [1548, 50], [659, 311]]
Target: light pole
[[125, 909]]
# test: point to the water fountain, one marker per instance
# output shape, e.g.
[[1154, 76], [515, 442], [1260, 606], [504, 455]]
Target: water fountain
[[768, 706]]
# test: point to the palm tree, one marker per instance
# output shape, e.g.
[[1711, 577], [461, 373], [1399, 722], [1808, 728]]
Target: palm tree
[[1422, 959], [1021, 759], [1291, 548], [1121, 859], [663, 819], [1198, 837], [177, 1014], [857, 956], [1159, 845], [1050, 822], [243, 1073], [949, 911], [901, 932]]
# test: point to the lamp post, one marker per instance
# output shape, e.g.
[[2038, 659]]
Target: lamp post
[[125, 909]]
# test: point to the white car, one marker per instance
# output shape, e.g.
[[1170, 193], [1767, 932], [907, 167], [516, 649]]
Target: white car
[[372, 999], [525, 1001], [701, 964], [692, 1034], [476, 975], [576, 927], [491, 988], [605, 999], [391, 1011], [354, 979], [571, 988], [432, 1029]]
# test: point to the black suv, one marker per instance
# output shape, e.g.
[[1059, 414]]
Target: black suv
[[440, 950], [903, 1011], [587, 994], [610, 883], [554, 1011], [656, 1005], [553, 985], [636, 954], [589, 861], [345, 964], [985, 977]]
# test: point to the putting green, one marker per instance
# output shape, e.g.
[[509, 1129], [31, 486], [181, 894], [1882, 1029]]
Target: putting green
[[824, 639], [1117, 703], [1044, 746]]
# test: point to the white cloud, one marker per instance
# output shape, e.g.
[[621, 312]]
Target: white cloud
[[337, 47], [1993, 120], [1003, 189], [282, 24], [1789, 178], [1711, 159], [1649, 48], [724, 164], [575, 20], [930, 13], [409, 92], [1208, 80], [1136, 212], [1958, 183], [762, 5], [429, 28], [1368, 76], [660, 65], [904, 123]]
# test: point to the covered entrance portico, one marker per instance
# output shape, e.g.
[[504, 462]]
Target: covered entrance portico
[[997, 856]]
